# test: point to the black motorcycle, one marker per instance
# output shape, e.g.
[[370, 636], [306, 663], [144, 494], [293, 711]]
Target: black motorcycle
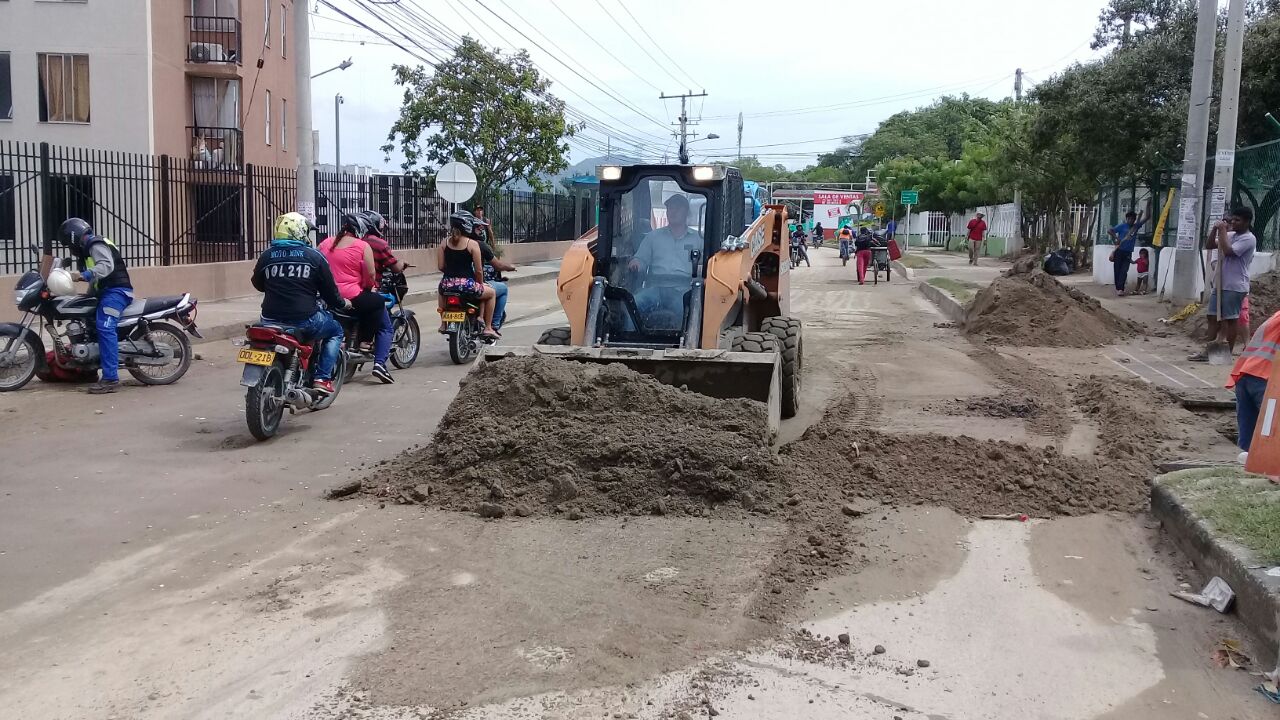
[[463, 324], [406, 338], [152, 350]]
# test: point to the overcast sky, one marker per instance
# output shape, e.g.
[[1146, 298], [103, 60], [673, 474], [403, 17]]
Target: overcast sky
[[780, 69]]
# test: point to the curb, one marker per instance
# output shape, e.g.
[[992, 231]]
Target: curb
[[1257, 594], [215, 333], [903, 270], [950, 307]]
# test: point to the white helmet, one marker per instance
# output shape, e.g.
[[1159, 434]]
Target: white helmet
[[60, 282]]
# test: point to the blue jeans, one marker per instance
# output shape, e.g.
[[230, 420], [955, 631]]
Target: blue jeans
[[382, 340], [111, 303], [1249, 392], [499, 302], [320, 326]]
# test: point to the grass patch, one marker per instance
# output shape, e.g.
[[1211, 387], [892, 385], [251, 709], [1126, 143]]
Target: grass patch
[[961, 290], [1242, 507], [917, 262]]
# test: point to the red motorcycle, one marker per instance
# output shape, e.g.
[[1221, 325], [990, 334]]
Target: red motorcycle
[[278, 372]]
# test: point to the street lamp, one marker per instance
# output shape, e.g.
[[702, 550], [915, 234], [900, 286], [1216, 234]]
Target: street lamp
[[337, 134], [340, 66]]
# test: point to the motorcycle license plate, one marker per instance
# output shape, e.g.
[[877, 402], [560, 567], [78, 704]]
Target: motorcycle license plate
[[256, 357], [457, 316]]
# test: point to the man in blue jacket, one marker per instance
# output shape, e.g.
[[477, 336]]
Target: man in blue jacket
[[99, 263], [294, 277]]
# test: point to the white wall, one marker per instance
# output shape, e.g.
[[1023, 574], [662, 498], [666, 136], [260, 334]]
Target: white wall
[[115, 34], [1103, 274]]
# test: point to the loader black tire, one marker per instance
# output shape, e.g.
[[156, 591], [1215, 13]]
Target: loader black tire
[[755, 342], [555, 336], [786, 331]]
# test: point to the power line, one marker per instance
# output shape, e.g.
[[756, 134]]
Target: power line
[[593, 39], [637, 43], [656, 44], [862, 102]]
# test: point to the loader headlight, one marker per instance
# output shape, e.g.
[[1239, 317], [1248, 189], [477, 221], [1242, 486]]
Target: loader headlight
[[732, 243], [703, 173], [609, 172]]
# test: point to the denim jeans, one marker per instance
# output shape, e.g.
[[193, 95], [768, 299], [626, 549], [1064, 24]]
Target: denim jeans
[[1122, 260], [499, 302], [320, 326], [1249, 392], [111, 303]]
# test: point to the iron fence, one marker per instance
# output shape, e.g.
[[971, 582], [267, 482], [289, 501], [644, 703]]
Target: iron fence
[[163, 210]]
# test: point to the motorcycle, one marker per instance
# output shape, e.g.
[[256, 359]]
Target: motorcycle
[[463, 324], [796, 255], [406, 338], [153, 351], [278, 374]]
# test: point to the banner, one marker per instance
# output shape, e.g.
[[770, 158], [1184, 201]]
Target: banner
[[830, 206]]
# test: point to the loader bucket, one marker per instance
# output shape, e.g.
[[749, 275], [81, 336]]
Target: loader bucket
[[716, 373]]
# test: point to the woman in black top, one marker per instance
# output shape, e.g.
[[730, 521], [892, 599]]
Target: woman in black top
[[461, 265]]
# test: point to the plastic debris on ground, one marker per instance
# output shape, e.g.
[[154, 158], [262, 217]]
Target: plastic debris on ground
[[1216, 594]]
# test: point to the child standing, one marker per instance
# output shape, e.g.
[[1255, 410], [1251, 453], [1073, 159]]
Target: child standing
[[1143, 265]]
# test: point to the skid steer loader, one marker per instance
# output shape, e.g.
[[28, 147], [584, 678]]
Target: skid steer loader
[[674, 283]]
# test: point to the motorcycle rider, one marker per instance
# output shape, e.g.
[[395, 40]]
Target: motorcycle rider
[[293, 277], [819, 235], [462, 268], [99, 263], [798, 243], [494, 266]]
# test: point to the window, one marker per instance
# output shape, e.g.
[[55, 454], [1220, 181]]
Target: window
[[284, 124], [64, 88], [283, 25], [266, 23], [267, 110], [6, 88], [215, 8]]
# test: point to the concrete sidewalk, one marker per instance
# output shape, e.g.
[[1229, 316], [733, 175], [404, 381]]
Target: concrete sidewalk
[[222, 319]]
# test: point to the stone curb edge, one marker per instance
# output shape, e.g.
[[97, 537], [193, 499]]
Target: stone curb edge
[[950, 307]]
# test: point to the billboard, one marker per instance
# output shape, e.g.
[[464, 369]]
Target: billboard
[[831, 205]]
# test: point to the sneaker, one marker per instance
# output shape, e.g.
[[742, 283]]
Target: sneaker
[[102, 387], [380, 371], [1198, 357], [323, 387]]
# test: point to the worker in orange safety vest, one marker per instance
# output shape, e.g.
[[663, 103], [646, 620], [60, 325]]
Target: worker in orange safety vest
[[1249, 377]]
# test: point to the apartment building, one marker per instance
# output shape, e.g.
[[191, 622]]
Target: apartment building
[[211, 81]]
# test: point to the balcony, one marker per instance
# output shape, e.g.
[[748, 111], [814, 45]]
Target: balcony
[[213, 40], [216, 148]]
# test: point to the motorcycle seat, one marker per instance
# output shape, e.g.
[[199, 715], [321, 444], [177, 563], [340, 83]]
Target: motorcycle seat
[[147, 306]]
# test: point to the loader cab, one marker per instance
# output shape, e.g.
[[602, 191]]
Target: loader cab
[[659, 225]]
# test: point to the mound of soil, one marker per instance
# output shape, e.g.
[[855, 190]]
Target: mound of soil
[[1006, 405], [534, 436], [1034, 309], [1264, 301]]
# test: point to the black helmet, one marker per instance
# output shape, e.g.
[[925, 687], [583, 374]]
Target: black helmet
[[377, 224], [72, 233], [464, 221], [353, 223]]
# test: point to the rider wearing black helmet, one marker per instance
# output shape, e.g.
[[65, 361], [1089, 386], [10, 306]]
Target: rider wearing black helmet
[[100, 264], [356, 272], [462, 264]]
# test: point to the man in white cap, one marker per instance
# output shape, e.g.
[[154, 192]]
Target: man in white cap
[[663, 256]]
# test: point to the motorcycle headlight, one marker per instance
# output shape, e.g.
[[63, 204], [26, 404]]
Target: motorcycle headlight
[[21, 294]]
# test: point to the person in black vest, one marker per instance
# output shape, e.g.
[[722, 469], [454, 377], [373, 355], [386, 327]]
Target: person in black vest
[[99, 263]]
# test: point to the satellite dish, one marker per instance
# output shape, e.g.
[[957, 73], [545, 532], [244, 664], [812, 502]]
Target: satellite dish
[[456, 182]]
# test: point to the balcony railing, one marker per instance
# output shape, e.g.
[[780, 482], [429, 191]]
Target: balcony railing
[[213, 40], [216, 148]]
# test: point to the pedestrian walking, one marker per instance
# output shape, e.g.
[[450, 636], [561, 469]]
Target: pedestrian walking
[[1234, 245], [891, 229], [862, 246], [1125, 235], [977, 237]]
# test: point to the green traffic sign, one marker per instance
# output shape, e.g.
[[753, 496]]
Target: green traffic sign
[[910, 197]]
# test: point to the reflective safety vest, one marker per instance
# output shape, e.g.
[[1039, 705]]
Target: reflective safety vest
[[1259, 353]]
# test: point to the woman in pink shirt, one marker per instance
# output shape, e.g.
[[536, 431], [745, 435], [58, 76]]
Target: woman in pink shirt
[[354, 270]]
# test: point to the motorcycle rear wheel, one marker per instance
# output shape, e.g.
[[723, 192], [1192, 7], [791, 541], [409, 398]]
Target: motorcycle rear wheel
[[264, 404], [461, 344], [165, 337]]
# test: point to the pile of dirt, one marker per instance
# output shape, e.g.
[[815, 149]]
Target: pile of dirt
[[535, 436], [1264, 297], [1034, 309], [1005, 405]]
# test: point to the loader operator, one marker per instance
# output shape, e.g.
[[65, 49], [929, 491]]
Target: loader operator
[[663, 258]]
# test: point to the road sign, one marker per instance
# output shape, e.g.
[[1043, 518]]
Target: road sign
[[879, 210], [910, 197], [455, 182]]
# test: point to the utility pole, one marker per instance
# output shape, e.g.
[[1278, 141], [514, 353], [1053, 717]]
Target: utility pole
[[1186, 266], [1228, 105], [306, 202], [684, 123], [739, 137], [1017, 189], [337, 133]]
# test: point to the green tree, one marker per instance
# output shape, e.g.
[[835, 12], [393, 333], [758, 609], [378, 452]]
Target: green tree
[[491, 111]]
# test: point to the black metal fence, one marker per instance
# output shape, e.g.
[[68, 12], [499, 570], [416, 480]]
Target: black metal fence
[[162, 210]]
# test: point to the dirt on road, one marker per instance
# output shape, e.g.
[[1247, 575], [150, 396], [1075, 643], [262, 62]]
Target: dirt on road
[[1033, 308], [537, 436]]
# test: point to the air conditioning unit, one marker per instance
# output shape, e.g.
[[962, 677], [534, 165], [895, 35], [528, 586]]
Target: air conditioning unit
[[207, 52]]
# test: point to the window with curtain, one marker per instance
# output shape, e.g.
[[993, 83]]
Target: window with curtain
[[284, 124], [283, 25], [266, 23], [267, 112], [215, 102], [6, 88], [63, 87]]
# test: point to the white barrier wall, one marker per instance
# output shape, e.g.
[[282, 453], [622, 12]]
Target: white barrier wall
[[1103, 274]]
